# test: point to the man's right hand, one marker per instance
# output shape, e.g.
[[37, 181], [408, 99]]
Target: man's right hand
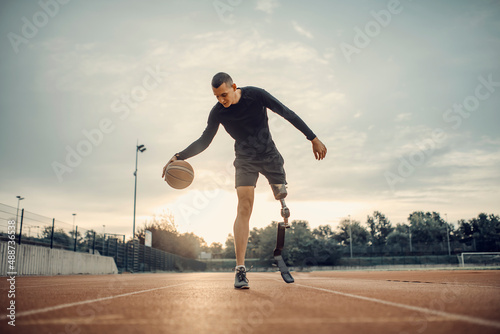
[[174, 158]]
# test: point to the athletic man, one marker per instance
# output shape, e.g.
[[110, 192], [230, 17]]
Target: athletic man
[[243, 113]]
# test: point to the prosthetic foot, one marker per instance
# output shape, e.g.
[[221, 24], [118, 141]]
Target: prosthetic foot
[[280, 193]]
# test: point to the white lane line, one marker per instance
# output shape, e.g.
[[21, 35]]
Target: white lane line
[[58, 307], [458, 317]]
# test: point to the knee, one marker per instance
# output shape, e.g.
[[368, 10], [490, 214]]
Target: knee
[[279, 191], [244, 208]]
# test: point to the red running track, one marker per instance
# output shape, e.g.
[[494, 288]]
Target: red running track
[[439, 301]]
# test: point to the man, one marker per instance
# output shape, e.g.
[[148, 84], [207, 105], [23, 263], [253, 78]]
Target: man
[[243, 113]]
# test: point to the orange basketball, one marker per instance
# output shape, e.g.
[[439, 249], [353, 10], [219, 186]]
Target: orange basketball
[[179, 174]]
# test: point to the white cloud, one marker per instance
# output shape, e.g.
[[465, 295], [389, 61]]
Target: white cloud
[[267, 6], [329, 52], [403, 117], [461, 160], [294, 52], [70, 68], [302, 31]]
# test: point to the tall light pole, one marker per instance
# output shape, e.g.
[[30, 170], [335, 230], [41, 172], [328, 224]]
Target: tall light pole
[[74, 214], [19, 199], [139, 148]]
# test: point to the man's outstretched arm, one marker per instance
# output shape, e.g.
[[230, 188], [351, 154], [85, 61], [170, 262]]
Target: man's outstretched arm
[[279, 108], [319, 149]]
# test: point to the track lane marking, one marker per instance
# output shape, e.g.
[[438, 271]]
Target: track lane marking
[[58, 307], [454, 283], [361, 280], [459, 317]]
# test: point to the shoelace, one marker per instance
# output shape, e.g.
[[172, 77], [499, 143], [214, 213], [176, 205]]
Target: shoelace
[[242, 274]]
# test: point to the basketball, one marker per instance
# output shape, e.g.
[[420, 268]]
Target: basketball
[[179, 174]]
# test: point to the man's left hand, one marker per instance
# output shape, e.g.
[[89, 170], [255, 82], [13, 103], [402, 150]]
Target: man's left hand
[[319, 149]]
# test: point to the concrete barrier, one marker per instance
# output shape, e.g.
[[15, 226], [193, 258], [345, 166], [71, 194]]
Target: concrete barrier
[[36, 260]]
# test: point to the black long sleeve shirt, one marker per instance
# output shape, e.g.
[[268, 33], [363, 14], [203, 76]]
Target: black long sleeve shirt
[[247, 123]]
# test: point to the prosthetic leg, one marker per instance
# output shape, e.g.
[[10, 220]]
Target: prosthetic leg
[[279, 191]]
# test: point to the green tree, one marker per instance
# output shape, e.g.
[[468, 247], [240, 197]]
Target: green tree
[[89, 235], [60, 236], [89, 240], [191, 245], [399, 238], [166, 237], [325, 249], [379, 228], [164, 233], [254, 243], [302, 246], [215, 249], [483, 232], [299, 243], [267, 242], [359, 233], [428, 231], [229, 252], [323, 232]]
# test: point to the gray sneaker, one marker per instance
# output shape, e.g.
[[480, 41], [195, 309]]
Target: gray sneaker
[[241, 280]]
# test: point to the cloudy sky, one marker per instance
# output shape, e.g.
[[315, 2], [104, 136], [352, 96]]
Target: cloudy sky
[[405, 95]]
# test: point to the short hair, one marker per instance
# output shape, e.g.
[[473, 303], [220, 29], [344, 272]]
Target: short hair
[[221, 78]]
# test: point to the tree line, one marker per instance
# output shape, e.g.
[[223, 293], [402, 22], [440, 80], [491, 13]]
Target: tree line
[[424, 233], [166, 237]]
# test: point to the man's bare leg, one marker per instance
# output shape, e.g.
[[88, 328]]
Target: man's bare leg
[[242, 222]]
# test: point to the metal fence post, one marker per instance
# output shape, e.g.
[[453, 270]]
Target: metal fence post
[[21, 227], [144, 258], [93, 245], [116, 250], [107, 247], [125, 246], [52, 234], [136, 253], [76, 233]]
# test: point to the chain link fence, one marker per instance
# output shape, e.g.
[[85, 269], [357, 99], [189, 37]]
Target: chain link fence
[[37, 230]]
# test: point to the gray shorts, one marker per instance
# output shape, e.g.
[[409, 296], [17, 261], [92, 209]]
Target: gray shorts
[[271, 166]]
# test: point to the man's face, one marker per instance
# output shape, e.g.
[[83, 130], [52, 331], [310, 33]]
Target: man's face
[[225, 95]]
